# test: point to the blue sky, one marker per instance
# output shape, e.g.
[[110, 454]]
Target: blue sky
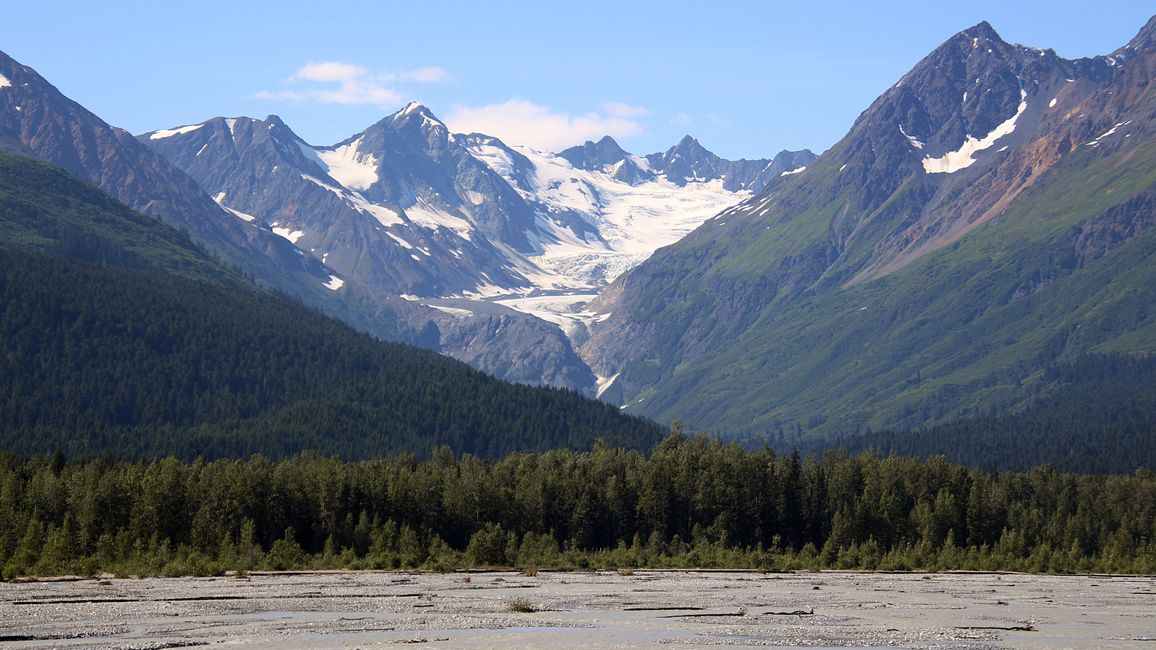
[[747, 79]]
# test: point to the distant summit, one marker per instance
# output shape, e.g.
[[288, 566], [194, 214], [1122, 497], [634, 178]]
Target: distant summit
[[689, 161], [606, 156]]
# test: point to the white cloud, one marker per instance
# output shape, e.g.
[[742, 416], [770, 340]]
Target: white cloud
[[329, 71], [431, 74], [618, 109], [354, 84], [517, 121]]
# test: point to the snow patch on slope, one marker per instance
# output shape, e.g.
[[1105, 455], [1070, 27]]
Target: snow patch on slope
[[400, 242], [604, 383], [456, 312], [240, 215], [424, 214], [963, 157], [4, 83], [384, 215], [219, 197], [346, 165], [1096, 142], [915, 142], [168, 133], [288, 233]]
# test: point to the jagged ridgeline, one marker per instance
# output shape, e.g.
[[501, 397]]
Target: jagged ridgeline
[[988, 216], [120, 336]]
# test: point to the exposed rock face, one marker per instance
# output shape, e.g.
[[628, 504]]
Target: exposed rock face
[[1114, 227], [689, 161], [36, 119], [263, 164], [407, 209], [740, 326]]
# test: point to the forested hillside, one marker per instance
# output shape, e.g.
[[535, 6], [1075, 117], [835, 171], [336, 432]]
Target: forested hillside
[[44, 209], [118, 336], [1098, 416]]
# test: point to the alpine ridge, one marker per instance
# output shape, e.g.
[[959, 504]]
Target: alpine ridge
[[465, 225], [37, 120], [986, 216]]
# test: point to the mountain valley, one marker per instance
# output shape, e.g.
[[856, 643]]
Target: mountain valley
[[987, 217], [464, 224]]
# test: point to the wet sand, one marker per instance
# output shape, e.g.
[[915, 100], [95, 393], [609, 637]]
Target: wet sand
[[585, 610]]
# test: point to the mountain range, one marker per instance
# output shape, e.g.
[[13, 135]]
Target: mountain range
[[121, 335], [985, 220], [465, 224], [400, 229], [988, 215]]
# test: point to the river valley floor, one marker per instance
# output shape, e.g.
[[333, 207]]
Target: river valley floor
[[584, 610]]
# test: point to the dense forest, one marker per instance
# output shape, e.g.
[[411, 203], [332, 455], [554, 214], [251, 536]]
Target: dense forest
[[46, 210], [103, 360], [120, 336], [693, 503], [1098, 415]]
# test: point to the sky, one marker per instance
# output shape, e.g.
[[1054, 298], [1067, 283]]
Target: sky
[[746, 79]]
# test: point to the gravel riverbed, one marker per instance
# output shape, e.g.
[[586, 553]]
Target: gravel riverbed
[[585, 610]]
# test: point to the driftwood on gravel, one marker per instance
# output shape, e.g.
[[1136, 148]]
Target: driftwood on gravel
[[797, 612], [1002, 628], [741, 612]]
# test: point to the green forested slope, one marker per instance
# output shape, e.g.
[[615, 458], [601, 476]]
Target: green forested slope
[[137, 344], [1070, 268], [1096, 415], [46, 210], [872, 291]]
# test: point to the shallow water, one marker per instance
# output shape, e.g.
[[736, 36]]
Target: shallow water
[[586, 610]]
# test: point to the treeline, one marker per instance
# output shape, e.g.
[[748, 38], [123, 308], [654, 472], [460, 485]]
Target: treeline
[[138, 364], [44, 209], [1095, 414], [693, 503]]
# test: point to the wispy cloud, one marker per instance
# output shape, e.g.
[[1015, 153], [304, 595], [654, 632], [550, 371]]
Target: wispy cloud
[[618, 109], [338, 82], [681, 119], [431, 74], [517, 121], [329, 71]]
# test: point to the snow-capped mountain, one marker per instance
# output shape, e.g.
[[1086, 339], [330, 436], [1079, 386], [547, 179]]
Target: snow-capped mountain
[[409, 208], [988, 214], [688, 162], [37, 120]]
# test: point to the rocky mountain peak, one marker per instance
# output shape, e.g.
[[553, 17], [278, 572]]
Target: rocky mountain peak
[[1141, 43], [593, 155], [607, 156], [981, 30], [415, 114], [689, 145]]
